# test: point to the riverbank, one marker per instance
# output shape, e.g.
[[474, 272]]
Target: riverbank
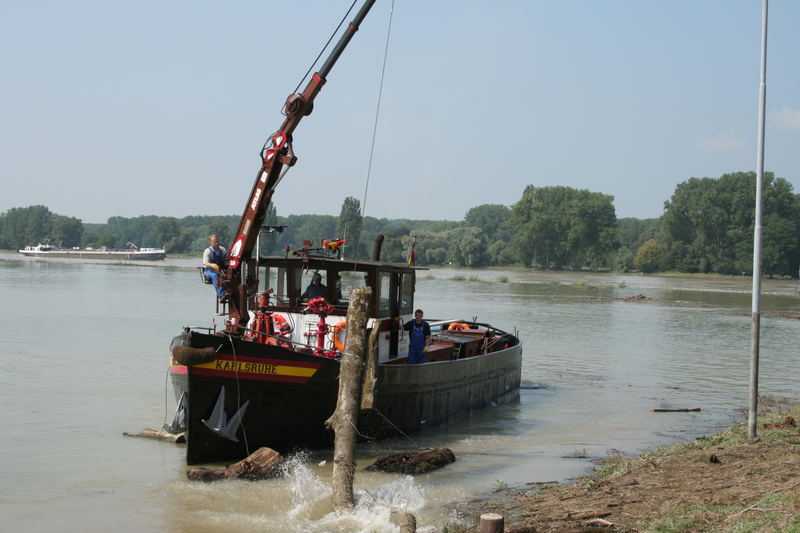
[[724, 482]]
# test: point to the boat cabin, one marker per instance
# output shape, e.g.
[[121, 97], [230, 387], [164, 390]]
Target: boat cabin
[[291, 280]]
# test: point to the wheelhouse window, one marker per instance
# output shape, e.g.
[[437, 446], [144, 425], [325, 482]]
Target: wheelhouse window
[[407, 293], [344, 283], [314, 284], [384, 293], [275, 278]]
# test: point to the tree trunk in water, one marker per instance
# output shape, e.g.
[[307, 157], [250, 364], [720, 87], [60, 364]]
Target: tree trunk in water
[[344, 419]]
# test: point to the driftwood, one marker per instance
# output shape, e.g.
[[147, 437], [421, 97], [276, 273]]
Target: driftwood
[[261, 464], [148, 433], [344, 419], [788, 422], [417, 462], [186, 355], [695, 410]]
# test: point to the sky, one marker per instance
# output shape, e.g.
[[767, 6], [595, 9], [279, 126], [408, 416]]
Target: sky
[[161, 108]]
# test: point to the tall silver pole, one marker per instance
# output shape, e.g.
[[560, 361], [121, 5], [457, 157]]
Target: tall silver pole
[[755, 327]]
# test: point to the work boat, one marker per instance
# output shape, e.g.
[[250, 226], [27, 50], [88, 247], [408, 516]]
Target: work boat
[[269, 377], [276, 383]]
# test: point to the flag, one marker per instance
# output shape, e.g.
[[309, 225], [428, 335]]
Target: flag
[[411, 259]]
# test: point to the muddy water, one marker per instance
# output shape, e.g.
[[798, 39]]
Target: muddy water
[[84, 348]]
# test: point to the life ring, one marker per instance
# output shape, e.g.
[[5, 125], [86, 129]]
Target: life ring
[[281, 327], [458, 326], [337, 329]]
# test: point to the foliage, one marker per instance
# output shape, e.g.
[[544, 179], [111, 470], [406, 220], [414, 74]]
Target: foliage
[[24, 226], [562, 227], [709, 225], [349, 224], [649, 257]]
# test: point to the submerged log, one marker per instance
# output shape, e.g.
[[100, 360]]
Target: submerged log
[[344, 419], [261, 464], [695, 410], [148, 433], [186, 355], [417, 462]]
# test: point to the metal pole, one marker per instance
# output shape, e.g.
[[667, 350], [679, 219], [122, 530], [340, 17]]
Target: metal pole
[[755, 326]]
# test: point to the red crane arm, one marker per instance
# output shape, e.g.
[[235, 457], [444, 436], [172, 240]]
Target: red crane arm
[[275, 156]]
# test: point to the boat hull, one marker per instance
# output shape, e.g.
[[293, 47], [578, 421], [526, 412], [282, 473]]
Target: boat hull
[[289, 395]]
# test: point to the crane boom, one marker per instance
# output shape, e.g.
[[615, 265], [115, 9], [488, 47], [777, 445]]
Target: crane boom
[[276, 155]]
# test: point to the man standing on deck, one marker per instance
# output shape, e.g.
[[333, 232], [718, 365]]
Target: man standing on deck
[[418, 338], [212, 261]]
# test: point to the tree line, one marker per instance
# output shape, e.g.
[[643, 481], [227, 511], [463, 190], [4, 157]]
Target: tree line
[[707, 226]]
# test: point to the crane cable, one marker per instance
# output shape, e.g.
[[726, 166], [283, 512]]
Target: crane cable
[[375, 125]]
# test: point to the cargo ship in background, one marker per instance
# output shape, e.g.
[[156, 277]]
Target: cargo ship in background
[[132, 253]]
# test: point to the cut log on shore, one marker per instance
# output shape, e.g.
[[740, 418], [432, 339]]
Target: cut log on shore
[[416, 462], [261, 464], [147, 433]]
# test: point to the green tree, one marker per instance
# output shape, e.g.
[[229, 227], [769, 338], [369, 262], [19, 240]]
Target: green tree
[[490, 218], [649, 257], [23, 226], [710, 224], [219, 228], [167, 231], [349, 224], [562, 227], [67, 230]]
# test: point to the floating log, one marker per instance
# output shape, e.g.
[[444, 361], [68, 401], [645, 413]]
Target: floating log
[[186, 355], [416, 462], [261, 464], [148, 433], [695, 410]]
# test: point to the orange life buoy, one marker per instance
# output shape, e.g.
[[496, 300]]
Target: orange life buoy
[[458, 326], [281, 327], [337, 329]]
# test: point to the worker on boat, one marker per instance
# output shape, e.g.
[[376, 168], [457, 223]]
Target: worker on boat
[[213, 257], [418, 339], [315, 289]]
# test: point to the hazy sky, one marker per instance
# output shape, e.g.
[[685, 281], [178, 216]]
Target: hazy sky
[[130, 108]]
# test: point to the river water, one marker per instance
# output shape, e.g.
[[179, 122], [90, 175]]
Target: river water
[[84, 359]]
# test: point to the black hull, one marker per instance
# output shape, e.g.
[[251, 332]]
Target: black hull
[[291, 395]]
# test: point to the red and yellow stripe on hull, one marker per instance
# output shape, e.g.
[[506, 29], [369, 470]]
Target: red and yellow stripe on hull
[[255, 368]]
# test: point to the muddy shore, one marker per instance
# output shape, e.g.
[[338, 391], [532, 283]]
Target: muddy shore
[[724, 482]]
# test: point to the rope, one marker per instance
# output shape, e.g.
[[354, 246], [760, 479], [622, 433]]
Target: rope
[[238, 389], [375, 125], [324, 47], [415, 443]]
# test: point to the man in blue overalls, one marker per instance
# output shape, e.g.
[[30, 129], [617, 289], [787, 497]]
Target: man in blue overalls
[[212, 261], [419, 337]]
